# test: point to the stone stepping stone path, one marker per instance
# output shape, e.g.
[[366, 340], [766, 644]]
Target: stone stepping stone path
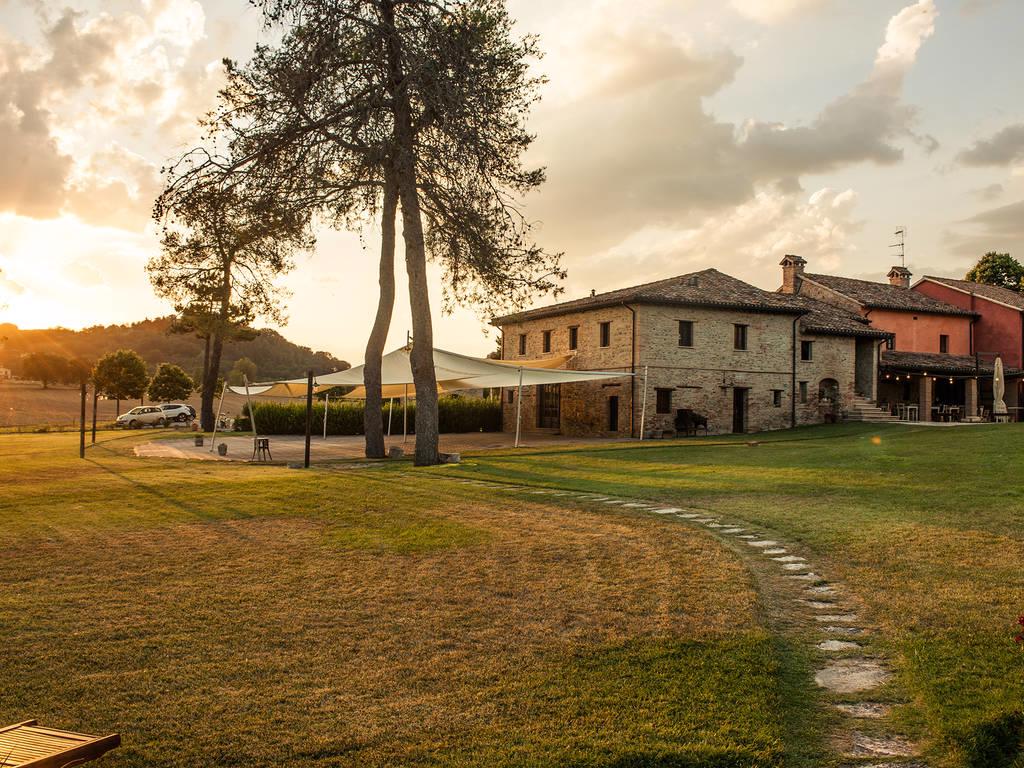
[[849, 672]]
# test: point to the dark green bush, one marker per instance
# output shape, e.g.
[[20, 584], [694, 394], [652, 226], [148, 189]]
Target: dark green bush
[[455, 414]]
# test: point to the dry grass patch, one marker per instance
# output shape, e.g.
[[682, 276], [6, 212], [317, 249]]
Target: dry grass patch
[[328, 619]]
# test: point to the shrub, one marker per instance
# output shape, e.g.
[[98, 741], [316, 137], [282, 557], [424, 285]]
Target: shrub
[[455, 414]]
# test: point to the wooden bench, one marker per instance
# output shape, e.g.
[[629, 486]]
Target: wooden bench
[[28, 745]]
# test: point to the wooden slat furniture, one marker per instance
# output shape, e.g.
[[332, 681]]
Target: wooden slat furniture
[[28, 745]]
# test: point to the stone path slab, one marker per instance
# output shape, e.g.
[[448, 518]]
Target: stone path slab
[[851, 675]]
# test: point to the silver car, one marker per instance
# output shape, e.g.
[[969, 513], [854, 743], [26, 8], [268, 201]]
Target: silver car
[[141, 416]]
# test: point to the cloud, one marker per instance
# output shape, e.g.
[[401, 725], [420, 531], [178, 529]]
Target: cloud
[[989, 192], [757, 233], [90, 77], [774, 11], [863, 125], [116, 188], [640, 149], [996, 229], [1005, 147]]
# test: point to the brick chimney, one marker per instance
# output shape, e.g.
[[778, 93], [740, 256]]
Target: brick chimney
[[899, 276], [792, 272]]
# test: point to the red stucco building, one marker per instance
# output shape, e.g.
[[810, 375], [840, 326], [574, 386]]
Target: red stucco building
[[999, 327]]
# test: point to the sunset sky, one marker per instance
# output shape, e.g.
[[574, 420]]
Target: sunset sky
[[678, 135]]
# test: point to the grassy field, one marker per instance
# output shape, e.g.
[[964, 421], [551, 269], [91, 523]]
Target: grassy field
[[926, 525], [234, 615], [25, 404]]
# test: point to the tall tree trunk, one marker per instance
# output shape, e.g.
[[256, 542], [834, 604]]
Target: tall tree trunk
[[373, 416], [209, 388], [422, 357], [207, 416]]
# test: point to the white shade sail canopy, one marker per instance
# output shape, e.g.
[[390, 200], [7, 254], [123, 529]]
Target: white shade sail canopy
[[453, 371]]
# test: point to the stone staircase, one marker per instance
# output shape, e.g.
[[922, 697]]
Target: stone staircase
[[863, 409]]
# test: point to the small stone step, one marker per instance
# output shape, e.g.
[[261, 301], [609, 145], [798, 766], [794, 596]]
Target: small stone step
[[871, 710], [880, 746], [851, 675]]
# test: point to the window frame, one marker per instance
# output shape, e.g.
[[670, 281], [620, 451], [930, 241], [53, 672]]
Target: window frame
[[890, 343], [776, 398], [688, 324], [660, 392], [522, 344], [806, 350], [803, 392], [740, 334], [574, 337], [604, 334], [943, 343], [545, 341]]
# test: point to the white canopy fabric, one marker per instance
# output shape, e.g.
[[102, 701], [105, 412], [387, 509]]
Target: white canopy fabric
[[453, 371]]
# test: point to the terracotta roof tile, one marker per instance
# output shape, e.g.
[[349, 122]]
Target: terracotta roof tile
[[707, 288], [994, 292], [884, 296], [933, 362]]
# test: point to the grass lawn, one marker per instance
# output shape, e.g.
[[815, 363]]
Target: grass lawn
[[220, 614], [925, 525]]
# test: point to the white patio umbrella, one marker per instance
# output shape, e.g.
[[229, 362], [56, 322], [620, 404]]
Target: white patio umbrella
[[998, 389]]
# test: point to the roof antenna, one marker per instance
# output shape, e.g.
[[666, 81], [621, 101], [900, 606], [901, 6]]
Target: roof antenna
[[901, 234]]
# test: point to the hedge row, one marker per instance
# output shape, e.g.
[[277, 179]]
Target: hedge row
[[455, 414]]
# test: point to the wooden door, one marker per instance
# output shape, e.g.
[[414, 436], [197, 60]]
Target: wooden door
[[549, 397]]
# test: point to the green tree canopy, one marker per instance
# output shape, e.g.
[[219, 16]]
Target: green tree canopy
[[997, 269], [44, 367], [244, 368], [121, 375], [170, 383]]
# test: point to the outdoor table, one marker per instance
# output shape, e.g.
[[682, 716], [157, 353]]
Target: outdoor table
[[913, 413], [261, 449]]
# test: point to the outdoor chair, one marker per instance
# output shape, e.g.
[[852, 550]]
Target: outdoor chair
[[688, 422], [28, 745]]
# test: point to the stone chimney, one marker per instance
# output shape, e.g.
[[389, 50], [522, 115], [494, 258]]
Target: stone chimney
[[792, 272], [899, 276]]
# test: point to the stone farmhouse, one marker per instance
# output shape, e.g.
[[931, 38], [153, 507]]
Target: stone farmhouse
[[703, 344]]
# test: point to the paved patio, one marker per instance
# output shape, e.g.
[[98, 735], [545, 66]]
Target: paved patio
[[289, 448]]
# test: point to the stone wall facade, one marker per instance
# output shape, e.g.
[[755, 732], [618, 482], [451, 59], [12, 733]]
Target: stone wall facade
[[703, 377], [586, 406]]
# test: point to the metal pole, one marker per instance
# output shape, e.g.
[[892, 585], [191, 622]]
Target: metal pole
[[309, 415], [252, 416], [405, 414], [327, 400], [220, 408], [519, 406], [391, 407], [81, 425], [643, 407], [95, 401]]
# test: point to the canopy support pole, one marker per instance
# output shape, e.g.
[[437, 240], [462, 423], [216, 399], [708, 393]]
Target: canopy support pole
[[252, 416], [309, 416], [391, 408], [643, 407], [405, 415], [216, 421], [327, 400], [519, 406]]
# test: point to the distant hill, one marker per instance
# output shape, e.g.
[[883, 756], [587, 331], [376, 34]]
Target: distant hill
[[274, 355]]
